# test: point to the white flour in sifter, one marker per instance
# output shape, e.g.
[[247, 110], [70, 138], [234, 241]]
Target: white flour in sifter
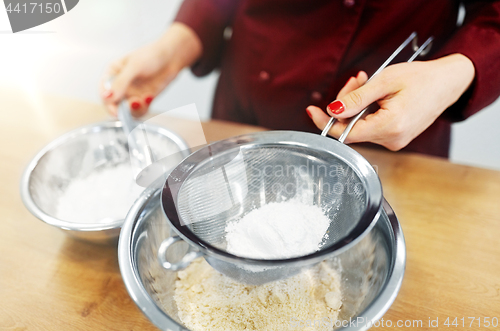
[[103, 196], [278, 230]]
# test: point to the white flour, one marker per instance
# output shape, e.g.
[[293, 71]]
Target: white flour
[[278, 230], [103, 196]]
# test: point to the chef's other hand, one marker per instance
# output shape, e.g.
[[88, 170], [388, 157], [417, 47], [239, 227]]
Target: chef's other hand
[[411, 96], [140, 76]]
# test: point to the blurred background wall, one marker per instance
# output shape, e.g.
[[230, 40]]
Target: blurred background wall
[[67, 57]]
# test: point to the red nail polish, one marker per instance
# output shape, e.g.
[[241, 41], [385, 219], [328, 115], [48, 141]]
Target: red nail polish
[[148, 100], [336, 107], [309, 113], [107, 94], [135, 105]]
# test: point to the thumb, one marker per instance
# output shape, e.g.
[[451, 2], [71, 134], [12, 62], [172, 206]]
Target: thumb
[[355, 101]]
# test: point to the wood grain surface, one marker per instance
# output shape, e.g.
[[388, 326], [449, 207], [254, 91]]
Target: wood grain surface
[[450, 215]]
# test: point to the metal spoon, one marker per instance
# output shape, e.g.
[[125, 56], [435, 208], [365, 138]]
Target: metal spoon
[[140, 152]]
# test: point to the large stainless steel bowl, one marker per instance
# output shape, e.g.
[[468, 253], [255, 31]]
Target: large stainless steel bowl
[[77, 154], [371, 271]]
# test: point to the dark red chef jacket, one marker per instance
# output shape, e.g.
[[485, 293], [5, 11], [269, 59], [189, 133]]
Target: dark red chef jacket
[[279, 56]]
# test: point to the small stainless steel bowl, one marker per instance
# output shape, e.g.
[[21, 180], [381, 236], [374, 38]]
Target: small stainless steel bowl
[[371, 271], [77, 154]]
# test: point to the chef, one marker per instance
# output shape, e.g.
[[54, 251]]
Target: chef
[[283, 62]]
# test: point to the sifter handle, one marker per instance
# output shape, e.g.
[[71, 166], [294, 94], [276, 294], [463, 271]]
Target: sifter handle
[[405, 43], [382, 67], [349, 127], [183, 263]]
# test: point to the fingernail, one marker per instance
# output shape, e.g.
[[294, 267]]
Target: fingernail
[[309, 113], [107, 94], [135, 105], [148, 100], [336, 107]]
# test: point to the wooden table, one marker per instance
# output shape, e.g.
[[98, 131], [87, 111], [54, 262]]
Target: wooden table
[[450, 215]]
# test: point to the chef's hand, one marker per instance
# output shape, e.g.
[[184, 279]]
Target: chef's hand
[[140, 76], [411, 96]]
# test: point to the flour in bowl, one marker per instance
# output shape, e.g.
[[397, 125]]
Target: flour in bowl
[[208, 300], [103, 196], [278, 230]]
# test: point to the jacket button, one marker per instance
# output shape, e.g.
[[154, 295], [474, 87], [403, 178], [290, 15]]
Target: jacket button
[[264, 76], [349, 3], [316, 96], [228, 33]]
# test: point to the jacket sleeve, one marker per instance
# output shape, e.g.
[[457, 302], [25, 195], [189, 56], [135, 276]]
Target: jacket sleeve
[[479, 40], [209, 19]]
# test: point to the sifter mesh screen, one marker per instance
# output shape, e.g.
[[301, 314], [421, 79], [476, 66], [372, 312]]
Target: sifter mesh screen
[[228, 185]]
